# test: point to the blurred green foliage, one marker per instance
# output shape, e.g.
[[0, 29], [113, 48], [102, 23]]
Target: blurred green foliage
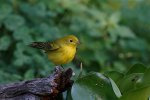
[[114, 34]]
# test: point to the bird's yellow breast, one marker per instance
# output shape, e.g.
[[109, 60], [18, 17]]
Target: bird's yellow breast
[[63, 55]]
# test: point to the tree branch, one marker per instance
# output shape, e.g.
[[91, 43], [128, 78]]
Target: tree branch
[[38, 89]]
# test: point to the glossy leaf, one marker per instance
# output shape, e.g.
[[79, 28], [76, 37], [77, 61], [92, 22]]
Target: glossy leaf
[[139, 94], [116, 76], [145, 79], [137, 68], [115, 88], [129, 82], [93, 86]]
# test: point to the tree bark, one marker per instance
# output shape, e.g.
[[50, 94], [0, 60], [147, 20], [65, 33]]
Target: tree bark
[[38, 89]]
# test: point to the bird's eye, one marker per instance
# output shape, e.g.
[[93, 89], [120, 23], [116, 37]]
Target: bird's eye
[[70, 40]]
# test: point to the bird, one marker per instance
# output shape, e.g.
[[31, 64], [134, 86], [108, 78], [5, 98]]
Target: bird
[[60, 51]]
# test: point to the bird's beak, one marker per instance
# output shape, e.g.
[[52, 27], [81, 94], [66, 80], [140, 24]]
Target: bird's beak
[[78, 42]]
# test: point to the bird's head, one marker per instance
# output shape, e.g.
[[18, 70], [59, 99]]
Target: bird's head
[[71, 40]]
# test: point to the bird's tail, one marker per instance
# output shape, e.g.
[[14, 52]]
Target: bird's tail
[[40, 45]]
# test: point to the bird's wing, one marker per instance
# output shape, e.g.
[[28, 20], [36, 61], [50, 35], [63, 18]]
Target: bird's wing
[[47, 46]]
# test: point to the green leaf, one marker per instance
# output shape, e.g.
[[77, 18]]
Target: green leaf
[[95, 33], [38, 10], [5, 10], [29, 74], [125, 32], [93, 86], [49, 32], [139, 94], [115, 88], [119, 66], [5, 42], [13, 22], [20, 58], [137, 68], [134, 44], [129, 82], [121, 31], [145, 81], [23, 34], [116, 76], [114, 18], [6, 77]]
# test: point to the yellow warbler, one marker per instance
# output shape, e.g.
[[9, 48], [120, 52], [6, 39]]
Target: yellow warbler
[[60, 51]]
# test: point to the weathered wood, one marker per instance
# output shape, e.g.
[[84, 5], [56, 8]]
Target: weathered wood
[[38, 89]]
